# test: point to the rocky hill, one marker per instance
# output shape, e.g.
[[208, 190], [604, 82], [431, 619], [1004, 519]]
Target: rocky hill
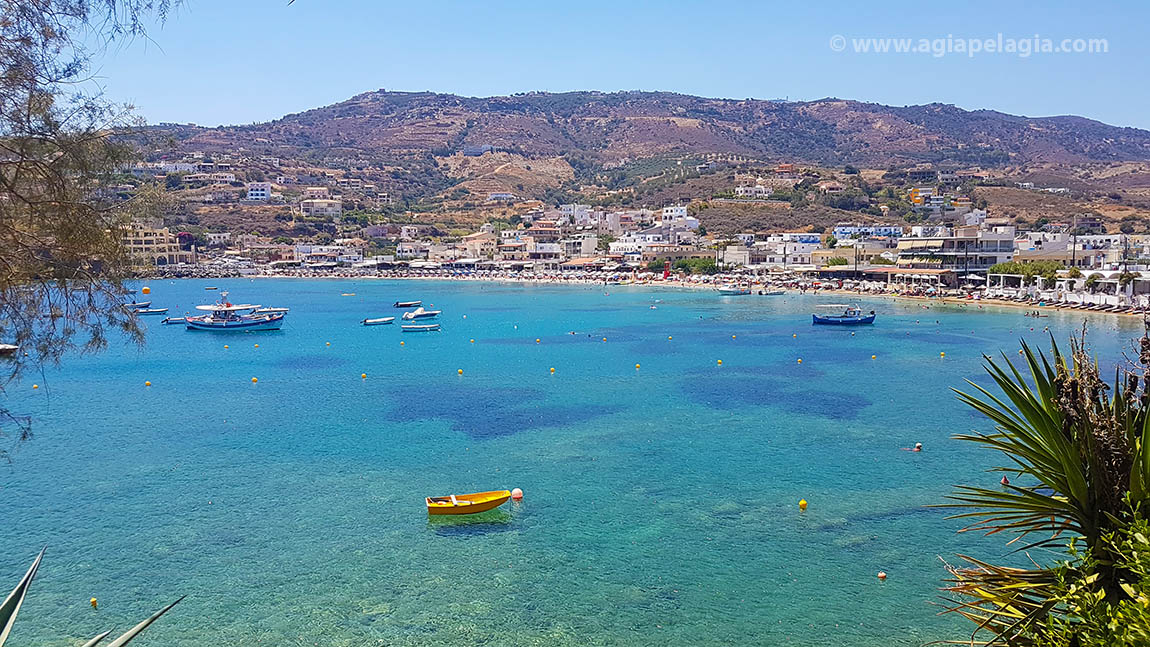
[[603, 129]]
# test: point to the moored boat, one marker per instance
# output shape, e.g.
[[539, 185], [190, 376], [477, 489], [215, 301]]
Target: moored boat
[[167, 321], [772, 293], [380, 321], [407, 304], [226, 316], [8, 349], [269, 311], [136, 305], [420, 313], [467, 503], [420, 327], [151, 311], [734, 290], [851, 316]]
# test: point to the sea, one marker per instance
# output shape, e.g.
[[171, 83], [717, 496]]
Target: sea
[[662, 463]]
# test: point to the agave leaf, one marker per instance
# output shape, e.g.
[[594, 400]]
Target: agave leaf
[[135, 631], [11, 605], [95, 641]]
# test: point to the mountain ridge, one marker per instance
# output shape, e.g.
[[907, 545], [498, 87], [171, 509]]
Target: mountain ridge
[[606, 127]]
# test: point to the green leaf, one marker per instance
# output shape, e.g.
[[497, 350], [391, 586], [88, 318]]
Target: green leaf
[[11, 605], [134, 631]]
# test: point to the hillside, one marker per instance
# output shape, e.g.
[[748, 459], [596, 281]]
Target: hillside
[[604, 129]]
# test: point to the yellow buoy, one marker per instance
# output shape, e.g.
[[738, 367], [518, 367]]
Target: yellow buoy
[[363, 375], [800, 360], [536, 340], [552, 369], [400, 343], [604, 339], [473, 341], [146, 290], [254, 380], [942, 354], [720, 362], [329, 343], [36, 386], [257, 345], [460, 371], [146, 383], [732, 336], [802, 504], [873, 356], [668, 338], [636, 367], [225, 346], [795, 336], [93, 600]]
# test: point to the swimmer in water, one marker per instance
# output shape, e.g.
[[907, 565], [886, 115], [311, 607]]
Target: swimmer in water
[[1005, 481], [917, 448]]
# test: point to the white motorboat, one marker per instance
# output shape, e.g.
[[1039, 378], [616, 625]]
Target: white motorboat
[[136, 305], [8, 349], [772, 293], [172, 320], [407, 304], [381, 321], [151, 311], [420, 313], [420, 327], [271, 311], [734, 290]]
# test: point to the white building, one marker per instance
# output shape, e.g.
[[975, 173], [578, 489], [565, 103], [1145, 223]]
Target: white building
[[318, 207], [259, 191], [851, 230], [674, 213]]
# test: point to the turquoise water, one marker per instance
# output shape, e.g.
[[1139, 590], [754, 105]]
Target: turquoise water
[[661, 503]]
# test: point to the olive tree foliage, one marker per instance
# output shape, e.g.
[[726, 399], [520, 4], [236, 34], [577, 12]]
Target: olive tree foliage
[[61, 262]]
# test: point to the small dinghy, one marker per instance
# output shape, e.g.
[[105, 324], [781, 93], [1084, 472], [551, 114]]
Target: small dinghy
[[381, 321], [420, 327], [136, 305], [420, 313], [467, 503], [151, 311], [407, 304], [8, 349], [172, 320]]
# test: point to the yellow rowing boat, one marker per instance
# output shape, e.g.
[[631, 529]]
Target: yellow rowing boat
[[467, 503]]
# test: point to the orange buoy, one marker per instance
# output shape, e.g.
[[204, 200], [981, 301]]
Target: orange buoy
[[802, 504], [146, 290], [873, 356], [732, 336], [882, 575], [668, 338], [720, 362], [257, 345], [363, 376], [552, 369], [517, 494], [460, 371], [636, 367], [329, 343], [36, 386], [146, 383], [473, 341], [795, 336], [800, 360], [400, 343], [93, 600], [942, 354], [225, 346], [604, 339], [254, 380]]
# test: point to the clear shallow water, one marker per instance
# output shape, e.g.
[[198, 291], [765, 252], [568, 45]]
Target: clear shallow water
[[661, 503]]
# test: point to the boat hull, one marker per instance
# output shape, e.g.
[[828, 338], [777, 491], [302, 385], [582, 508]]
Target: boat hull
[[421, 328], [733, 293], [467, 503], [273, 322], [378, 322], [842, 321]]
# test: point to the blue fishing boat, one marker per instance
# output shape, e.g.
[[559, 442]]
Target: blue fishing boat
[[850, 316], [226, 316]]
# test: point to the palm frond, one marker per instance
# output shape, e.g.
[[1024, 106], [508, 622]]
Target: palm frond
[[12, 603]]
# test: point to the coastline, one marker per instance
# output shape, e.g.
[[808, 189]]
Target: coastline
[[982, 303]]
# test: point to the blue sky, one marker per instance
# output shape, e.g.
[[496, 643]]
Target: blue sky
[[217, 62]]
